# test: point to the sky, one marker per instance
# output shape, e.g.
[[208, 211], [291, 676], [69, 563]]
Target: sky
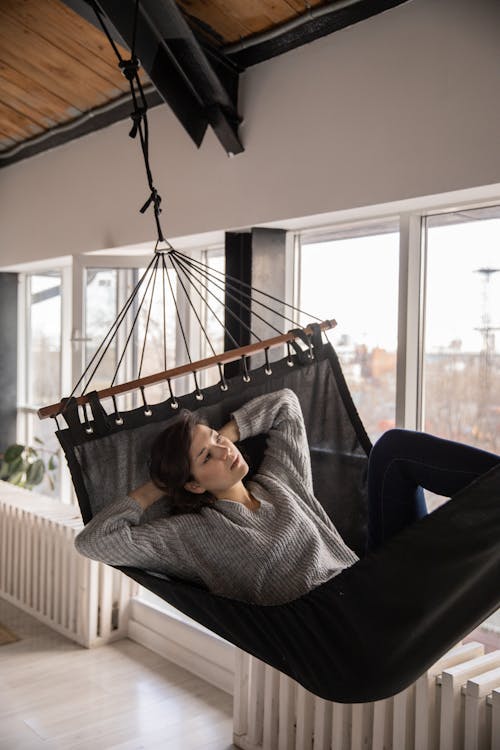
[[355, 281]]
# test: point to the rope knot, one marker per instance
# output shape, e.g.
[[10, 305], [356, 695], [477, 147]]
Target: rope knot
[[154, 198], [136, 116], [129, 68]]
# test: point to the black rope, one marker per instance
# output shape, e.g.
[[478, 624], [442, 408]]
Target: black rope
[[111, 334], [198, 393], [130, 69], [252, 289], [237, 299], [118, 417], [192, 306], [147, 411], [222, 382], [173, 401], [99, 13], [193, 264], [268, 369], [246, 374], [134, 33], [177, 310], [148, 320], [164, 322], [136, 316], [209, 307]]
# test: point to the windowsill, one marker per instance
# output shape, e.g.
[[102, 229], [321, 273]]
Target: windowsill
[[43, 505]]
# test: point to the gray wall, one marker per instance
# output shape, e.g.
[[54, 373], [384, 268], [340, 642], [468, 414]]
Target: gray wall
[[401, 105]]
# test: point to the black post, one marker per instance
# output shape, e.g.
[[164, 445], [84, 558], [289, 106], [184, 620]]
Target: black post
[[8, 359], [238, 247]]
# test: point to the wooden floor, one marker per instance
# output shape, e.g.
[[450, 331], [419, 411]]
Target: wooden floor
[[59, 696]]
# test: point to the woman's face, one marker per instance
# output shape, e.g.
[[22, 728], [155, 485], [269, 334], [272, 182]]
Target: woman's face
[[216, 463]]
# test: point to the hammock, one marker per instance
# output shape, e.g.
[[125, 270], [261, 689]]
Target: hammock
[[376, 627]]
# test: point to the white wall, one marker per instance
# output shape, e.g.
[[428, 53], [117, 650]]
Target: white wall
[[401, 105]]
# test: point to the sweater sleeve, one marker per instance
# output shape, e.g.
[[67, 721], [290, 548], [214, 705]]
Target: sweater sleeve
[[116, 536], [279, 415]]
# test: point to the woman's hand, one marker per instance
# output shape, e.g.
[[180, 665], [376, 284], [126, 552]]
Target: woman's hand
[[146, 494], [230, 431]]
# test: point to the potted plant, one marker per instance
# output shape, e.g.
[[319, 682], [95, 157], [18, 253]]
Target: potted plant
[[26, 466]]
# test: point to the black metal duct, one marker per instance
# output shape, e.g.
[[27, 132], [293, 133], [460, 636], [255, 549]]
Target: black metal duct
[[199, 92]]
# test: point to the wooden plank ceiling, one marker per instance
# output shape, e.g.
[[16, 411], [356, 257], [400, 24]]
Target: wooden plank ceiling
[[55, 66]]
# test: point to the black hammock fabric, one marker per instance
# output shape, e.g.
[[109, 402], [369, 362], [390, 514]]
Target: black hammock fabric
[[376, 627]]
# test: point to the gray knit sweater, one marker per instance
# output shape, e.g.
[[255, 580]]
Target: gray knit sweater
[[266, 556]]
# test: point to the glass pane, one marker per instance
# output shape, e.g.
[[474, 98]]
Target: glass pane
[[355, 281], [100, 313], [156, 330], [43, 430], [462, 328], [44, 339], [213, 317]]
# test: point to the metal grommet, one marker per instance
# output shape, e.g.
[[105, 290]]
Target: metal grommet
[[147, 411], [198, 393], [118, 418], [246, 375], [174, 404], [88, 427], [267, 369], [223, 383]]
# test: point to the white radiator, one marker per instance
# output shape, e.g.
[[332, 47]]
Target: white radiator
[[41, 572], [454, 706]]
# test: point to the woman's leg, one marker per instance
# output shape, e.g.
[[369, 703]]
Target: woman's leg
[[401, 463]]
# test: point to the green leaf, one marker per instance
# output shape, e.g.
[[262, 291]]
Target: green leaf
[[4, 470], [17, 478], [13, 452], [18, 464], [37, 440], [52, 463], [35, 473]]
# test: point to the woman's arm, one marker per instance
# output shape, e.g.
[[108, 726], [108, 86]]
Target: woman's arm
[[146, 494], [231, 431], [117, 535], [278, 414]]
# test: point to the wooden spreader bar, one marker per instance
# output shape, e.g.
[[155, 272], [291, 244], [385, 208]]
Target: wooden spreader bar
[[230, 356]]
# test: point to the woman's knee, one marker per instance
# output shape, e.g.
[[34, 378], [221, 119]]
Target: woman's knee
[[390, 439]]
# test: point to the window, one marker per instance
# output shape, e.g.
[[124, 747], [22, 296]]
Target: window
[[40, 364], [462, 327], [353, 277]]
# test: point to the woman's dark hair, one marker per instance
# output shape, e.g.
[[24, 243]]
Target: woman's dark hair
[[170, 466]]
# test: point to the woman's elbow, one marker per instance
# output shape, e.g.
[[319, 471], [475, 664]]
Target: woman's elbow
[[87, 547]]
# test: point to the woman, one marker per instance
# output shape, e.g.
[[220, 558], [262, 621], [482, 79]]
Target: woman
[[267, 541]]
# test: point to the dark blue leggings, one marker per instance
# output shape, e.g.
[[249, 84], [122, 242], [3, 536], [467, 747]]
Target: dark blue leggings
[[401, 463]]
